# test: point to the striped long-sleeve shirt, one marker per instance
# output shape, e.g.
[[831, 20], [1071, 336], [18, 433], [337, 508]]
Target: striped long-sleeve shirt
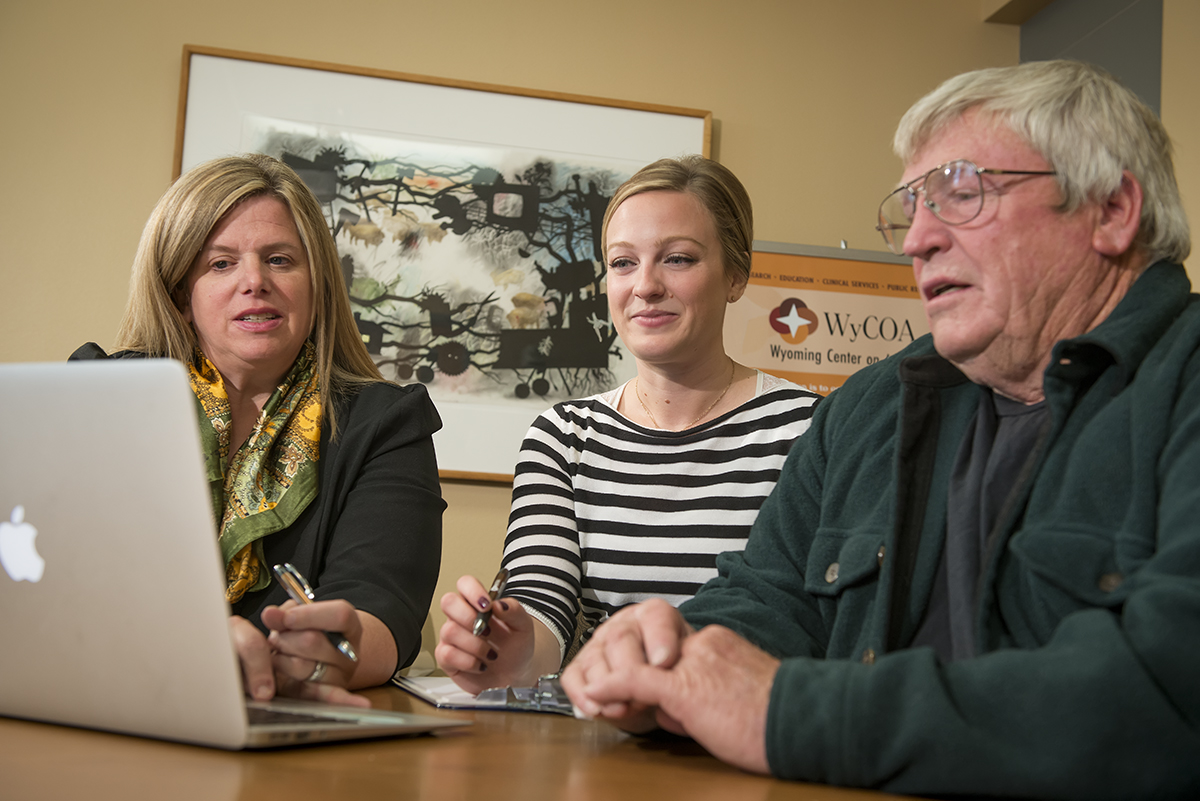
[[607, 513]]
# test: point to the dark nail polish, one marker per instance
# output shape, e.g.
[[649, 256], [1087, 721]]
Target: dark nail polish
[[491, 654], [504, 606], [483, 602], [487, 631]]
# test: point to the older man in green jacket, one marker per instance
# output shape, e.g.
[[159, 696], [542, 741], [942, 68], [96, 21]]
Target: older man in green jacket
[[979, 573]]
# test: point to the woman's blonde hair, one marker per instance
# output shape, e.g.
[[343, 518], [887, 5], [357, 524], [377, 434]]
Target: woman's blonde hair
[[177, 230], [717, 189], [1089, 128]]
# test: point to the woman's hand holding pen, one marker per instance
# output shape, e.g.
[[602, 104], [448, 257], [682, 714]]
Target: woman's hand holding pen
[[504, 652], [254, 654], [296, 649], [298, 658], [306, 663]]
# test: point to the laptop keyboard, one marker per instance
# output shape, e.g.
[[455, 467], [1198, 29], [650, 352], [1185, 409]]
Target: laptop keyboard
[[261, 717]]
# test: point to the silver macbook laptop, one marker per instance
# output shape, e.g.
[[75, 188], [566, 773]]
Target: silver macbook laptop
[[112, 604]]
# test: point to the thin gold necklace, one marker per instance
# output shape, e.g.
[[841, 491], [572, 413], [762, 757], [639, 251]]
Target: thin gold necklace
[[637, 393]]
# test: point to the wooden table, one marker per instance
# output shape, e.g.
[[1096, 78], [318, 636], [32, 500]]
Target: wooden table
[[504, 755]]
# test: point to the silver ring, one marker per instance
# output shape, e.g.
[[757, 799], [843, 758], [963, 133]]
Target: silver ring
[[318, 672]]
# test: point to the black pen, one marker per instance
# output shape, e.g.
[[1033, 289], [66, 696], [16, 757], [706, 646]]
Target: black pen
[[482, 618], [298, 588]]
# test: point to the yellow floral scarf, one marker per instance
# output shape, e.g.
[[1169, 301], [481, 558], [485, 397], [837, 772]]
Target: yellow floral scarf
[[271, 478]]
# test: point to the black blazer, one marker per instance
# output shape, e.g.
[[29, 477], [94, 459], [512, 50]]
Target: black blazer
[[373, 534]]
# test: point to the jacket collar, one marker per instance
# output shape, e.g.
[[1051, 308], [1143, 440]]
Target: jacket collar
[[1157, 297]]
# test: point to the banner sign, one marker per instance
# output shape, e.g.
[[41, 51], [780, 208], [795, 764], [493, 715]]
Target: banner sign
[[816, 315]]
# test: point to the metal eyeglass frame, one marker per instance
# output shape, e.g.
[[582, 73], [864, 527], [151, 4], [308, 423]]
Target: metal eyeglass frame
[[886, 226]]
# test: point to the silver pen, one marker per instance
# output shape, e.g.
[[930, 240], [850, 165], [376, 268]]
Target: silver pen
[[298, 588], [482, 618]]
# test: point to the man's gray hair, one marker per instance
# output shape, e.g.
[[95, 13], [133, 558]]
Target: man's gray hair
[[1081, 120]]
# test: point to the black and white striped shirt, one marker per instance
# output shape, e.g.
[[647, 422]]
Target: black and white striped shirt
[[608, 513]]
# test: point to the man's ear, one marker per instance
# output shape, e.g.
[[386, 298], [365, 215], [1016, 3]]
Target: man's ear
[[1120, 218]]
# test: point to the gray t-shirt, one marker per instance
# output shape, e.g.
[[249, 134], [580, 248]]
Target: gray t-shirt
[[996, 447]]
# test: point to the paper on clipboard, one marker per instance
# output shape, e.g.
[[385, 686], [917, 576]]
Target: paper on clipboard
[[547, 696]]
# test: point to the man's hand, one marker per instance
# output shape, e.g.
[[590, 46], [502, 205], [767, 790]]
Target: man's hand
[[646, 634], [710, 685]]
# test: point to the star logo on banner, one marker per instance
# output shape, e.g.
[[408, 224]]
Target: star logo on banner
[[793, 320]]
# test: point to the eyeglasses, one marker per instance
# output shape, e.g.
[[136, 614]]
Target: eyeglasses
[[952, 191]]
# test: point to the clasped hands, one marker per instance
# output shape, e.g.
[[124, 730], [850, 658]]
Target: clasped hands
[[282, 662], [646, 668]]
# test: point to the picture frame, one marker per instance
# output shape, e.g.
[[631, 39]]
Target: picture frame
[[424, 180]]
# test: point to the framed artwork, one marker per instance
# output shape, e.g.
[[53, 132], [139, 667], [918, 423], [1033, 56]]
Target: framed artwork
[[467, 217], [816, 315]]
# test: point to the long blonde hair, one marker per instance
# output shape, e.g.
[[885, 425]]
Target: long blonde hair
[[174, 235]]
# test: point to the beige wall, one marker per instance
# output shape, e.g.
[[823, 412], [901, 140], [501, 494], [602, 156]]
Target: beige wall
[[1181, 107], [805, 96]]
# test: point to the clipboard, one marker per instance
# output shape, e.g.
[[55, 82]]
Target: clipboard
[[547, 696]]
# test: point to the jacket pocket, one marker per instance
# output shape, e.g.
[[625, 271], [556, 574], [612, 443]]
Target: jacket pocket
[[1079, 564], [840, 559]]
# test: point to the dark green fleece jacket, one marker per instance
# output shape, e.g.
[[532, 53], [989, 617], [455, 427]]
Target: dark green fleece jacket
[[1088, 680]]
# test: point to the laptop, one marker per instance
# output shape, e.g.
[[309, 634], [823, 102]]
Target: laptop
[[112, 592]]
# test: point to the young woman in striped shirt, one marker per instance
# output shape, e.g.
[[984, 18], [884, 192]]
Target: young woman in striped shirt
[[631, 494]]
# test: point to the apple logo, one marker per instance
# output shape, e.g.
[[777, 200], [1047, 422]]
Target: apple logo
[[17, 553]]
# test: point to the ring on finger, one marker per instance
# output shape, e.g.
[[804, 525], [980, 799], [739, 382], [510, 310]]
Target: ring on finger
[[318, 672]]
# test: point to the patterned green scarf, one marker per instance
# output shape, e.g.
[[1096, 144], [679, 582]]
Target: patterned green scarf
[[271, 478]]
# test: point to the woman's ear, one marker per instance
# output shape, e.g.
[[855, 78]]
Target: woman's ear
[[737, 284], [183, 301]]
